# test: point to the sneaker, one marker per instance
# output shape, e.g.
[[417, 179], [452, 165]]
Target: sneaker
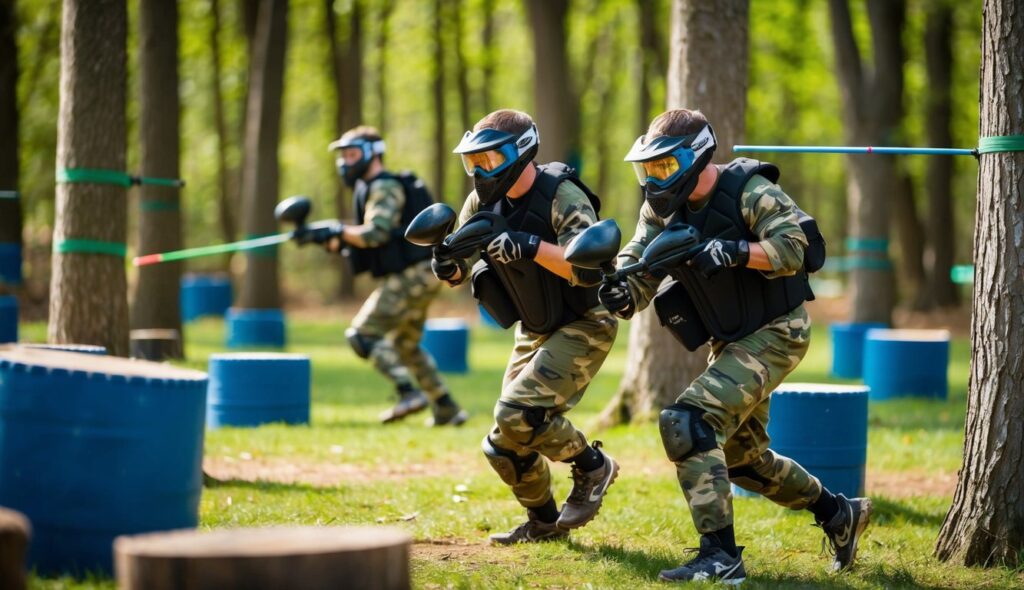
[[712, 564], [409, 403], [531, 531], [588, 491], [451, 415], [844, 530]]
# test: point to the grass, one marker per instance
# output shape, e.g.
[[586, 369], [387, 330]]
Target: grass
[[436, 485]]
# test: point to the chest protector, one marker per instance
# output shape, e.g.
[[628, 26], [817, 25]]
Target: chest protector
[[397, 253], [542, 300], [736, 302]]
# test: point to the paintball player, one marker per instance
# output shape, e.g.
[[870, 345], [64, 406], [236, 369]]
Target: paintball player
[[388, 328], [563, 335], [744, 287]]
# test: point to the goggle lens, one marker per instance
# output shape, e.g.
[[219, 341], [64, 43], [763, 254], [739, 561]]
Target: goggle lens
[[486, 161], [663, 169]]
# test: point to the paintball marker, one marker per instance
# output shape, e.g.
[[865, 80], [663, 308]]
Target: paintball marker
[[433, 225], [597, 246]]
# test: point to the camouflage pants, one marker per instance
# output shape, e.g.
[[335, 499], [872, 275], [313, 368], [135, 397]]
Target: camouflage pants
[[546, 377], [734, 393], [394, 315]]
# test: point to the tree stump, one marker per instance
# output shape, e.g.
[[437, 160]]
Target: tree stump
[[14, 535], [370, 558]]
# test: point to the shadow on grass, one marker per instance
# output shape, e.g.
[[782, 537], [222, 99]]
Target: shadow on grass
[[887, 510], [271, 487], [643, 563]]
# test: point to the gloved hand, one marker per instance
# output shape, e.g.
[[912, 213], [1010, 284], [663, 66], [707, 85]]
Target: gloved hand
[[319, 232], [444, 266], [509, 246], [614, 295], [713, 255]]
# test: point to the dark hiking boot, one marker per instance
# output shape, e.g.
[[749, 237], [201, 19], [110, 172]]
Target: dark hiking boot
[[844, 530], [408, 403], [448, 415], [588, 491], [531, 531], [712, 564]]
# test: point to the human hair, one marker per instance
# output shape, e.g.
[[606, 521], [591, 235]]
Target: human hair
[[507, 120], [675, 123]]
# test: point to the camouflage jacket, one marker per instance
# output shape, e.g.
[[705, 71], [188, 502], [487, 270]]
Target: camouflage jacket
[[770, 214], [383, 213]]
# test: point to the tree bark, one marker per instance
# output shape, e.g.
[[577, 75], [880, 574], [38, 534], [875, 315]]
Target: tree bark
[[707, 71], [938, 39], [226, 202], [260, 288], [10, 203], [88, 302], [872, 109], [985, 524], [553, 95], [441, 149], [157, 303]]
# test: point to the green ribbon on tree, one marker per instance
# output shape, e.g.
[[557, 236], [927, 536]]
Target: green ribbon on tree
[[867, 244], [156, 205], [1001, 143], [100, 176], [87, 246], [9, 195]]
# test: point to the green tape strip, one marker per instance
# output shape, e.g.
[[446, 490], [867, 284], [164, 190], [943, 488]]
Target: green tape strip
[[849, 263], [86, 246], [115, 177], [9, 194], [154, 205], [867, 244], [1001, 143], [962, 274], [265, 251]]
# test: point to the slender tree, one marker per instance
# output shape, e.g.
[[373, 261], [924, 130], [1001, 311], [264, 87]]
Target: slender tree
[[10, 204], [156, 302], [652, 57], [553, 95], [488, 66], [260, 178], [441, 148], [985, 524], [88, 291], [383, 42], [462, 75], [707, 71], [226, 202]]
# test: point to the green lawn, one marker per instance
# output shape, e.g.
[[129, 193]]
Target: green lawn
[[347, 469]]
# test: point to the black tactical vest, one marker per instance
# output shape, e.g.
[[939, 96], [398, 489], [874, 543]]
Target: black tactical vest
[[543, 300], [736, 302], [397, 253]]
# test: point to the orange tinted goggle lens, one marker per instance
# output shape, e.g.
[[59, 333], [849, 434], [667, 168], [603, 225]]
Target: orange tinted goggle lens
[[661, 168], [486, 161]]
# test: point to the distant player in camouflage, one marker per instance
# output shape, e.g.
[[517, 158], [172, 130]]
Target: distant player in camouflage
[[745, 285], [389, 326], [563, 335]]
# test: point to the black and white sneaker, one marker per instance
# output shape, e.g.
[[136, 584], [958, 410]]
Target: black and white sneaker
[[588, 491], [845, 529], [533, 530], [408, 403], [712, 564]]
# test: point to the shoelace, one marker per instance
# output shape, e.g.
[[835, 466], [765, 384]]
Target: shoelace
[[700, 560]]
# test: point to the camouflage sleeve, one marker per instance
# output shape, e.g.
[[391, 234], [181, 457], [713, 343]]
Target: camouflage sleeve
[[644, 286], [383, 212], [571, 213], [772, 216], [469, 209]]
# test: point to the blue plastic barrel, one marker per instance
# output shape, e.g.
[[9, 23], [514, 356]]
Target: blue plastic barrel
[[79, 348], [10, 263], [205, 295], [906, 363], [8, 318], [255, 327], [95, 447], [249, 389], [824, 428], [848, 348], [447, 340]]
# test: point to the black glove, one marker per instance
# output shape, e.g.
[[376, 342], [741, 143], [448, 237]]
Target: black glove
[[319, 232], [509, 246], [444, 266], [614, 295], [713, 255]]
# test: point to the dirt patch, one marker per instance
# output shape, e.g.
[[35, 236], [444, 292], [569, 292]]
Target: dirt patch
[[290, 471], [453, 549], [908, 484]]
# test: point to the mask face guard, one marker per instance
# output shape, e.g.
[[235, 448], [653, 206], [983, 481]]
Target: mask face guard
[[667, 167], [664, 171], [350, 173], [489, 152]]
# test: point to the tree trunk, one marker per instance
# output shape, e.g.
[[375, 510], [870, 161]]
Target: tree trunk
[[938, 39], [383, 40], [441, 149], [872, 109], [910, 234], [985, 524], [226, 204], [652, 60], [88, 302], [260, 288], [462, 77], [10, 203], [553, 96], [487, 69], [157, 303], [707, 71]]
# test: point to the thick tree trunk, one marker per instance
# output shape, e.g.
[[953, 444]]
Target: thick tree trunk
[[260, 288], [707, 71], [938, 184], [872, 109], [441, 148], [10, 204], [985, 524], [226, 202], [88, 291], [156, 303], [553, 96]]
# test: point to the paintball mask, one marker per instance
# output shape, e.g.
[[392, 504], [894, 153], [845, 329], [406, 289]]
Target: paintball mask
[[668, 167], [495, 159], [369, 148]]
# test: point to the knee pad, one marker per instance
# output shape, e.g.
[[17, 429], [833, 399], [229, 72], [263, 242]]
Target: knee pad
[[520, 422], [684, 432], [510, 466], [362, 344]]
